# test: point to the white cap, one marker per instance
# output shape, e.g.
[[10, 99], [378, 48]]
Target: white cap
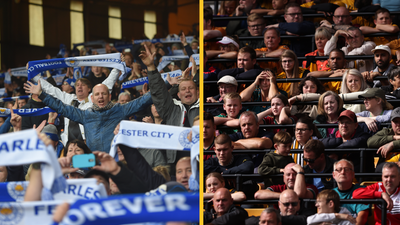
[[228, 80], [382, 47], [226, 40]]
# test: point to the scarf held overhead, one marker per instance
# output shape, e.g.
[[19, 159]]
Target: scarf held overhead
[[143, 80], [106, 60]]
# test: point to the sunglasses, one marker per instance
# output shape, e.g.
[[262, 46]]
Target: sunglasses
[[309, 160], [287, 204]]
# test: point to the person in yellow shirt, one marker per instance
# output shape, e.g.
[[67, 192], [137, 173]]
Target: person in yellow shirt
[[291, 69]]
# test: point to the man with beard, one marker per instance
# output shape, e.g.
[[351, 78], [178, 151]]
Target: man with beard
[[382, 57]]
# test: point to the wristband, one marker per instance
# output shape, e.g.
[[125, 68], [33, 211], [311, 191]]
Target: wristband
[[50, 123], [301, 173]]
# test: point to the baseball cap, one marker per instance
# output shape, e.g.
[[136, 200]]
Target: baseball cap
[[226, 40], [382, 47], [51, 131], [349, 114], [395, 114], [228, 80], [373, 92]]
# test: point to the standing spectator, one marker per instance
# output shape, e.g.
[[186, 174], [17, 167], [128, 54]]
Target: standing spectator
[[96, 76]]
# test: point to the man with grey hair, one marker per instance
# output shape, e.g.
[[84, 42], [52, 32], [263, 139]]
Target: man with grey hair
[[251, 136], [270, 216], [388, 190], [343, 173], [124, 97]]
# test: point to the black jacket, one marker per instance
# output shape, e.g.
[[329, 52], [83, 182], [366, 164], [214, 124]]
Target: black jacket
[[235, 215], [328, 182], [29, 121], [240, 164]]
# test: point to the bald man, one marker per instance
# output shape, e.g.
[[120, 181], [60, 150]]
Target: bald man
[[293, 177], [225, 212], [101, 119]]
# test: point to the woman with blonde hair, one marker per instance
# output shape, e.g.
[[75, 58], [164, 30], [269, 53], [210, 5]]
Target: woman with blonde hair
[[330, 105], [291, 69], [353, 82], [214, 181], [322, 35]]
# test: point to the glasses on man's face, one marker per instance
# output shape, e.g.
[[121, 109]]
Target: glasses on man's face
[[255, 26], [287, 204], [294, 14], [309, 160], [346, 169], [299, 130]]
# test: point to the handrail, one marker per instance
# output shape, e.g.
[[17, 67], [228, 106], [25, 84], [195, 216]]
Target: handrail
[[297, 151], [312, 175], [291, 80], [298, 58]]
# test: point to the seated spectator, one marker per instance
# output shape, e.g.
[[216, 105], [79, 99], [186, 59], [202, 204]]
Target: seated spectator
[[293, 177], [224, 211], [335, 68], [215, 181], [226, 84], [225, 162], [291, 69], [329, 210], [383, 23], [353, 82], [295, 25], [255, 27], [275, 162], [310, 88], [270, 216], [387, 139], [243, 9], [124, 98], [278, 8], [388, 190], [75, 147], [305, 130], [227, 8], [355, 46], [208, 133], [318, 162], [273, 49], [261, 90], [232, 106], [322, 35], [279, 113], [349, 135], [382, 59], [343, 173], [392, 90], [209, 31], [210, 71], [228, 49], [341, 20], [246, 66], [377, 109]]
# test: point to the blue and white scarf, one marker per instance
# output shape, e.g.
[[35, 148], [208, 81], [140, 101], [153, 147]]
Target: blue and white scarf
[[189, 39], [143, 80], [196, 58], [4, 112], [76, 189], [165, 60], [106, 60], [194, 159], [25, 147], [148, 135], [126, 209]]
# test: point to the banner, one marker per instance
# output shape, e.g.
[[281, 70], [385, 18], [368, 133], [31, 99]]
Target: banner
[[27, 213], [147, 135], [194, 159], [143, 80], [189, 39], [25, 147], [106, 60], [19, 72], [76, 189], [124, 209]]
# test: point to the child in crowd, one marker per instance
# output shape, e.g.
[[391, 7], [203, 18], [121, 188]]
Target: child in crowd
[[275, 162], [279, 113], [232, 106], [329, 210]]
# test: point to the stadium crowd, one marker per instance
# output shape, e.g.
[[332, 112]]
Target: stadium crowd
[[87, 108], [320, 113]]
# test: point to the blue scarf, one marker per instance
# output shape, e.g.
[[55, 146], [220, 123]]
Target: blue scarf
[[143, 80], [26, 112]]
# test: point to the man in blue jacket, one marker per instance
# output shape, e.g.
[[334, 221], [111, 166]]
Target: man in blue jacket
[[100, 120], [296, 26]]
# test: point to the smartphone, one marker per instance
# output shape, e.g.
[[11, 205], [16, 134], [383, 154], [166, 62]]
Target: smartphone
[[83, 161]]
